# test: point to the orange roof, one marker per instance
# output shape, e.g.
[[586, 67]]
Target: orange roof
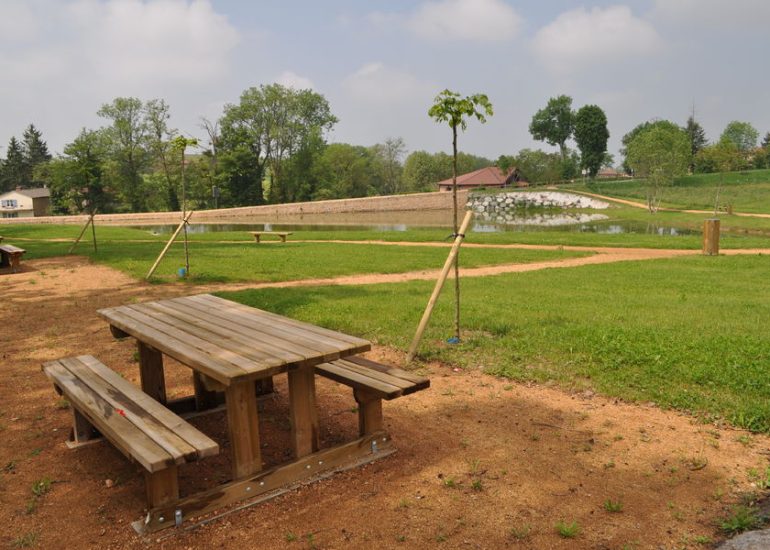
[[491, 175]]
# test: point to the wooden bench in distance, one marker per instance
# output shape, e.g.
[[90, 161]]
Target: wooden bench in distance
[[280, 234], [137, 425], [372, 382], [11, 256]]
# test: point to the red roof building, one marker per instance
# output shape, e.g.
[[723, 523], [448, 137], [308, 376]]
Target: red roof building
[[490, 176]]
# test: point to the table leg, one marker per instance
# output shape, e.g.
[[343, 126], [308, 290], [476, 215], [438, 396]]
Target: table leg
[[243, 422], [264, 386], [304, 415], [151, 372], [205, 399]]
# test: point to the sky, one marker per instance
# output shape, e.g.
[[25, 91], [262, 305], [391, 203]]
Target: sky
[[381, 63]]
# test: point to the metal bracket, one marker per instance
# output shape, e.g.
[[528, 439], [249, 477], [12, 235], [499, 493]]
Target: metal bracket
[[177, 517], [374, 446]]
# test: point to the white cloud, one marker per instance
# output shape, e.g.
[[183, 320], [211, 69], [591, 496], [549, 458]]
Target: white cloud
[[580, 38], [715, 12], [293, 80], [17, 21], [377, 83], [471, 20]]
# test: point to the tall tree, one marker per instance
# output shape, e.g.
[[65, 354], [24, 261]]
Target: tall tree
[[766, 140], [742, 134], [591, 135], [555, 123], [127, 144], [35, 154], [453, 109], [659, 154], [14, 166], [638, 129], [160, 141], [389, 155], [697, 139]]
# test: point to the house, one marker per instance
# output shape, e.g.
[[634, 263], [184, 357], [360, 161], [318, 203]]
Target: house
[[611, 174], [25, 203], [490, 176]]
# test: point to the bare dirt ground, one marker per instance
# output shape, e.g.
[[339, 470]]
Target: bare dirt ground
[[482, 462]]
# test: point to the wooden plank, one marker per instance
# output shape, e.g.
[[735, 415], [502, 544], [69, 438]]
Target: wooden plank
[[358, 381], [281, 320], [10, 249], [225, 325], [200, 441], [151, 375], [225, 337], [174, 445], [273, 480], [304, 413], [162, 487], [126, 437], [243, 424], [287, 328], [405, 385], [391, 370], [179, 350]]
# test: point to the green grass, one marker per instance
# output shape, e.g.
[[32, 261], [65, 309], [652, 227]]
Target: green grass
[[686, 333], [747, 191]]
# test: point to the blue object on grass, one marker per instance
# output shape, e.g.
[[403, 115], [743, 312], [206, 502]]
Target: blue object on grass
[[453, 340], [182, 272]]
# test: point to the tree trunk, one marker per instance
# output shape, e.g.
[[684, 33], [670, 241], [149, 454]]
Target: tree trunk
[[454, 222]]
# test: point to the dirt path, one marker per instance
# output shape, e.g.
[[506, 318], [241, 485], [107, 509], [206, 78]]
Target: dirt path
[[637, 204], [483, 463]]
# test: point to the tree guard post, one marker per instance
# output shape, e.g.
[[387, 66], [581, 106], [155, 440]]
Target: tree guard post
[[711, 237]]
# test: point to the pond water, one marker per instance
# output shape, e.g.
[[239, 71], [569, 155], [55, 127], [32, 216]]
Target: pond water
[[529, 220]]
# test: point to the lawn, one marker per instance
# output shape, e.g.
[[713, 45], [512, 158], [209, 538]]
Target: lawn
[[685, 333]]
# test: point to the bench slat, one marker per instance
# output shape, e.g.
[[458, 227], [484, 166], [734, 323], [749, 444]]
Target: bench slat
[[343, 375], [129, 439], [377, 375], [10, 249], [420, 381], [203, 445]]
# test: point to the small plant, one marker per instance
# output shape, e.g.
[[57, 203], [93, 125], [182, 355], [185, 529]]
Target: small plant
[[26, 540], [400, 538], [290, 537], [477, 485], [474, 466], [744, 440], [742, 518], [35, 452], [521, 532], [31, 506], [41, 487], [702, 539], [567, 530], [404, 503], [609, 465], [62, 404], [9, 467], [449, 482], [613, 506]]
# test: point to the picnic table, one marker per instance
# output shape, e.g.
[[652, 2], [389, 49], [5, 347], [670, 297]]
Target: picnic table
[[230, 348]]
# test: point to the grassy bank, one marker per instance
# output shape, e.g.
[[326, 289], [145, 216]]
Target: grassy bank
[[686, 333]]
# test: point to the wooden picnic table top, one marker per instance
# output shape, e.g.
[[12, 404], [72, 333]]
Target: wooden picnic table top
[[227, 341]]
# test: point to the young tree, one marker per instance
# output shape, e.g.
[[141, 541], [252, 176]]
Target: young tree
[[659, 154], [591, 135], [388, 156], [638, 129], [766, 140], [697, 139], [554, 123], [742, 134], [160, 141], [449, 107]]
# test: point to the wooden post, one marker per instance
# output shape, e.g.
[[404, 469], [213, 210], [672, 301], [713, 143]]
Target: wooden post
[[162, 487], [151, 372], [369, 412], [711, 237], [243, 424], [304, 415], [168, 244], [82, 232], [439, 285]]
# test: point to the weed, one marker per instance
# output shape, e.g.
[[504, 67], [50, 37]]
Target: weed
[[41, 486], [702, 539], [508, 387], [400, 538], [290, 537], [617, 437], [26, 540], [567, 530], [521, 532], [613, 506], [718, 494], [441, 537], [404, 503], [449, 482], [610, 464], [477, 485], [744, 440], [9, 467], [62, 404], [534, 437], [35, 452], [741, 518], [31, 507]]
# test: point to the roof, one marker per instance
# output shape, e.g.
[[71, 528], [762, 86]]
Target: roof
[[491, 175], [37, 193]]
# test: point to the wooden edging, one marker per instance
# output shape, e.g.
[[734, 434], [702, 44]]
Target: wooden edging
[[269, 483]]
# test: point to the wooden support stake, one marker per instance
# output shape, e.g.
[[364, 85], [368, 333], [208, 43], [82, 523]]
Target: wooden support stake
[[168, 244], [439, 285], [83, 232], [711, 237]]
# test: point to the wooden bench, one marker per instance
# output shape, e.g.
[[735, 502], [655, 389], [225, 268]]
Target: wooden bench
[[280, 234], [11, 256], [137, 425], [371, 382]]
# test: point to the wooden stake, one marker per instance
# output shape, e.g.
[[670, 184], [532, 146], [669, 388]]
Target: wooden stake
[[439, 285], [711, 237], [82, 232], [168, 244]]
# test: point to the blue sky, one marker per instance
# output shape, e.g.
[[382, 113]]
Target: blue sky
[[381, 63]]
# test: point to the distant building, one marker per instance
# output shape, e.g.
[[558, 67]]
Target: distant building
[[611, 174], [25, 203], [491, 176]]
